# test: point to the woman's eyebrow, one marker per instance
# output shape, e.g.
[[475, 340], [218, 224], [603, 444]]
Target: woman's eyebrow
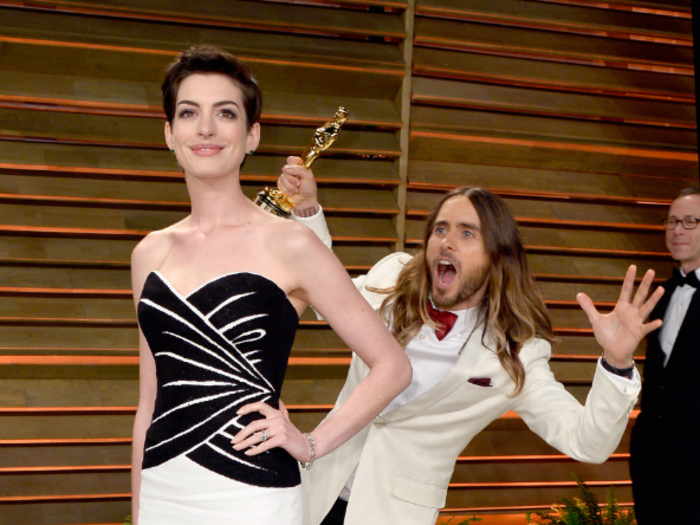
[[217, 104]]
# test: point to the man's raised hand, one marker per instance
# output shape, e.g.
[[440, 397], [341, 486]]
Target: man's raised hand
[[298, 183], [620, 331]]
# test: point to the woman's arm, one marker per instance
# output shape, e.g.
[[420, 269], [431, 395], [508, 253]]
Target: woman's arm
[[324, 283], [145, 258], [144, 414]]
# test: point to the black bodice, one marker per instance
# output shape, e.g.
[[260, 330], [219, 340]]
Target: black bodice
[[223, 346]]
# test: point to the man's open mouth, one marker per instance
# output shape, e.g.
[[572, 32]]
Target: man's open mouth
[[446, 272]]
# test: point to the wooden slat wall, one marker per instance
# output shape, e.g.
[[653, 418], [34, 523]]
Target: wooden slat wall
[[85, 174], [581, 116]]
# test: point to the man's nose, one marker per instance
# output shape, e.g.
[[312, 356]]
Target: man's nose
[[448, 241]]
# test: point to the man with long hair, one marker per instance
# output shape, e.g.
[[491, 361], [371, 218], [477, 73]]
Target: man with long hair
[[474, 325]]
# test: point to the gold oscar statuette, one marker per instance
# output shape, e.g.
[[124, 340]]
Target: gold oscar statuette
[[274, 200]]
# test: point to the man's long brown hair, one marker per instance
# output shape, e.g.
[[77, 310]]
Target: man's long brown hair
[[514, 310]]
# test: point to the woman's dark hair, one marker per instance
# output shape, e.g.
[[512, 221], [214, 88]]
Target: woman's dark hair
[[205, 59]]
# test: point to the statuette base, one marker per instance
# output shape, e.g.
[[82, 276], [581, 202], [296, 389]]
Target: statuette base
[[275, 202]]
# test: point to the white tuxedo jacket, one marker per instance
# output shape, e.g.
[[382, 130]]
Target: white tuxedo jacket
[[406, 457]]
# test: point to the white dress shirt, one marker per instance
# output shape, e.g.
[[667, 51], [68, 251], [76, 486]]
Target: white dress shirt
[[674, 316], [431, 358]]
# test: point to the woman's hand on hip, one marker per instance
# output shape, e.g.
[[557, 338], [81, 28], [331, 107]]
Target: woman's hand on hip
[[276, 430]]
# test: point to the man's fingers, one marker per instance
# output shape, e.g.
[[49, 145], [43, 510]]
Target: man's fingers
[[628, 284], [647, 307], [295, 171], [587, 305], [650, 327], [643, 289], [288, 184]]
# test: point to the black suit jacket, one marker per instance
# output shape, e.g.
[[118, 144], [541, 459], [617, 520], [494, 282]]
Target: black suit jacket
[[671, 394]]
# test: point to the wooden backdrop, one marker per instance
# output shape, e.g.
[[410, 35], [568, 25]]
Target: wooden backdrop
[[580, 114]]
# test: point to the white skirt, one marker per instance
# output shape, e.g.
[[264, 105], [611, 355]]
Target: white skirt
[[181, 492]]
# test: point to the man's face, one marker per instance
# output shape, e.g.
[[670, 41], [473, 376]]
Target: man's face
[[456, 256], [683, 244]]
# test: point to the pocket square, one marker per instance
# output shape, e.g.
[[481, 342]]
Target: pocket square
[[480, 381]]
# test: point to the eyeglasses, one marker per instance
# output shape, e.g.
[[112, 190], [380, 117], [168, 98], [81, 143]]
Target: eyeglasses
[[688, 223]]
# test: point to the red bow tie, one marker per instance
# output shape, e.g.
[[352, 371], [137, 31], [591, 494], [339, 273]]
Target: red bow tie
[[444, 321]]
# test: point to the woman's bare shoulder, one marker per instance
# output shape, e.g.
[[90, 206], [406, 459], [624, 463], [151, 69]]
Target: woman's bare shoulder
[[152, 250], [298, 240]]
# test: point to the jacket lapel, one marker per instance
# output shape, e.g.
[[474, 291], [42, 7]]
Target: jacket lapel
[[685, 338], [660, 308], [459, 375]]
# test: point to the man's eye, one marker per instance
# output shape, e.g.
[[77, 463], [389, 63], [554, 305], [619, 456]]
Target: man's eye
[[468, 233]]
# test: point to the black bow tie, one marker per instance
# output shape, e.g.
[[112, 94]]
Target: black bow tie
[[690, 279]]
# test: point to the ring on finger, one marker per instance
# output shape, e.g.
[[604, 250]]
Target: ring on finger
[[263, 436]]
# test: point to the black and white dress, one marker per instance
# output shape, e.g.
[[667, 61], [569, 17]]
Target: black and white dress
[[221, 347]]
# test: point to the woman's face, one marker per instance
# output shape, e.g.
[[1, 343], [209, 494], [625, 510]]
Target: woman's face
[[209, 132]]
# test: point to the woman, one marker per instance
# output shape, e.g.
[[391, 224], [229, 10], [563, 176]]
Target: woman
[[218, 297]]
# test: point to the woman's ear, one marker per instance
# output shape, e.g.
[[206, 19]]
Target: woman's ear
[[253, 139], [169, 137]]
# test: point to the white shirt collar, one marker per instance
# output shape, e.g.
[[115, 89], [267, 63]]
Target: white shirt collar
[[466, 319]]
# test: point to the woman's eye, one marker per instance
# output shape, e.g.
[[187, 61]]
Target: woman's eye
[[185, 113], [227, 113]]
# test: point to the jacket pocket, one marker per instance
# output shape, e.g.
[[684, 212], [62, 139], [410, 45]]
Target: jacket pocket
[[419, 493]]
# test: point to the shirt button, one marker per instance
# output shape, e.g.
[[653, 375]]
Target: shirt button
[[422, 336]]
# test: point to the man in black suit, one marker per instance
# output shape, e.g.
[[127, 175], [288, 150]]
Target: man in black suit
[[665, 447]]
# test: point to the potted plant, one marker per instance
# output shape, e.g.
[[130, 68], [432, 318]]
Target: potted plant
[[584, 511]]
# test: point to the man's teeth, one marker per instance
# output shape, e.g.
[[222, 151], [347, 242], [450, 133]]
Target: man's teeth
[[442, 268]]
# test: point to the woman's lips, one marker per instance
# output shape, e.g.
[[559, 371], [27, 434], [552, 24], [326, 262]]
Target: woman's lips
[[206, 150]]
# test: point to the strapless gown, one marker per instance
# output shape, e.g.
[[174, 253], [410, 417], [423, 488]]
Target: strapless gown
[[223, 346]]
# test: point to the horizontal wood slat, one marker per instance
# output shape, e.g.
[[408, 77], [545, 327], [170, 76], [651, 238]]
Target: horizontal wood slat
[[675, 8], [523, 101], [690, 158], [591, 198], [508, 71], [563, 18], [554, 47], [247, 14]]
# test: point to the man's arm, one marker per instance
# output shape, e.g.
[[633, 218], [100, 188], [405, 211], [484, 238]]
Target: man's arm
[[590, 433], [299, 185]]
